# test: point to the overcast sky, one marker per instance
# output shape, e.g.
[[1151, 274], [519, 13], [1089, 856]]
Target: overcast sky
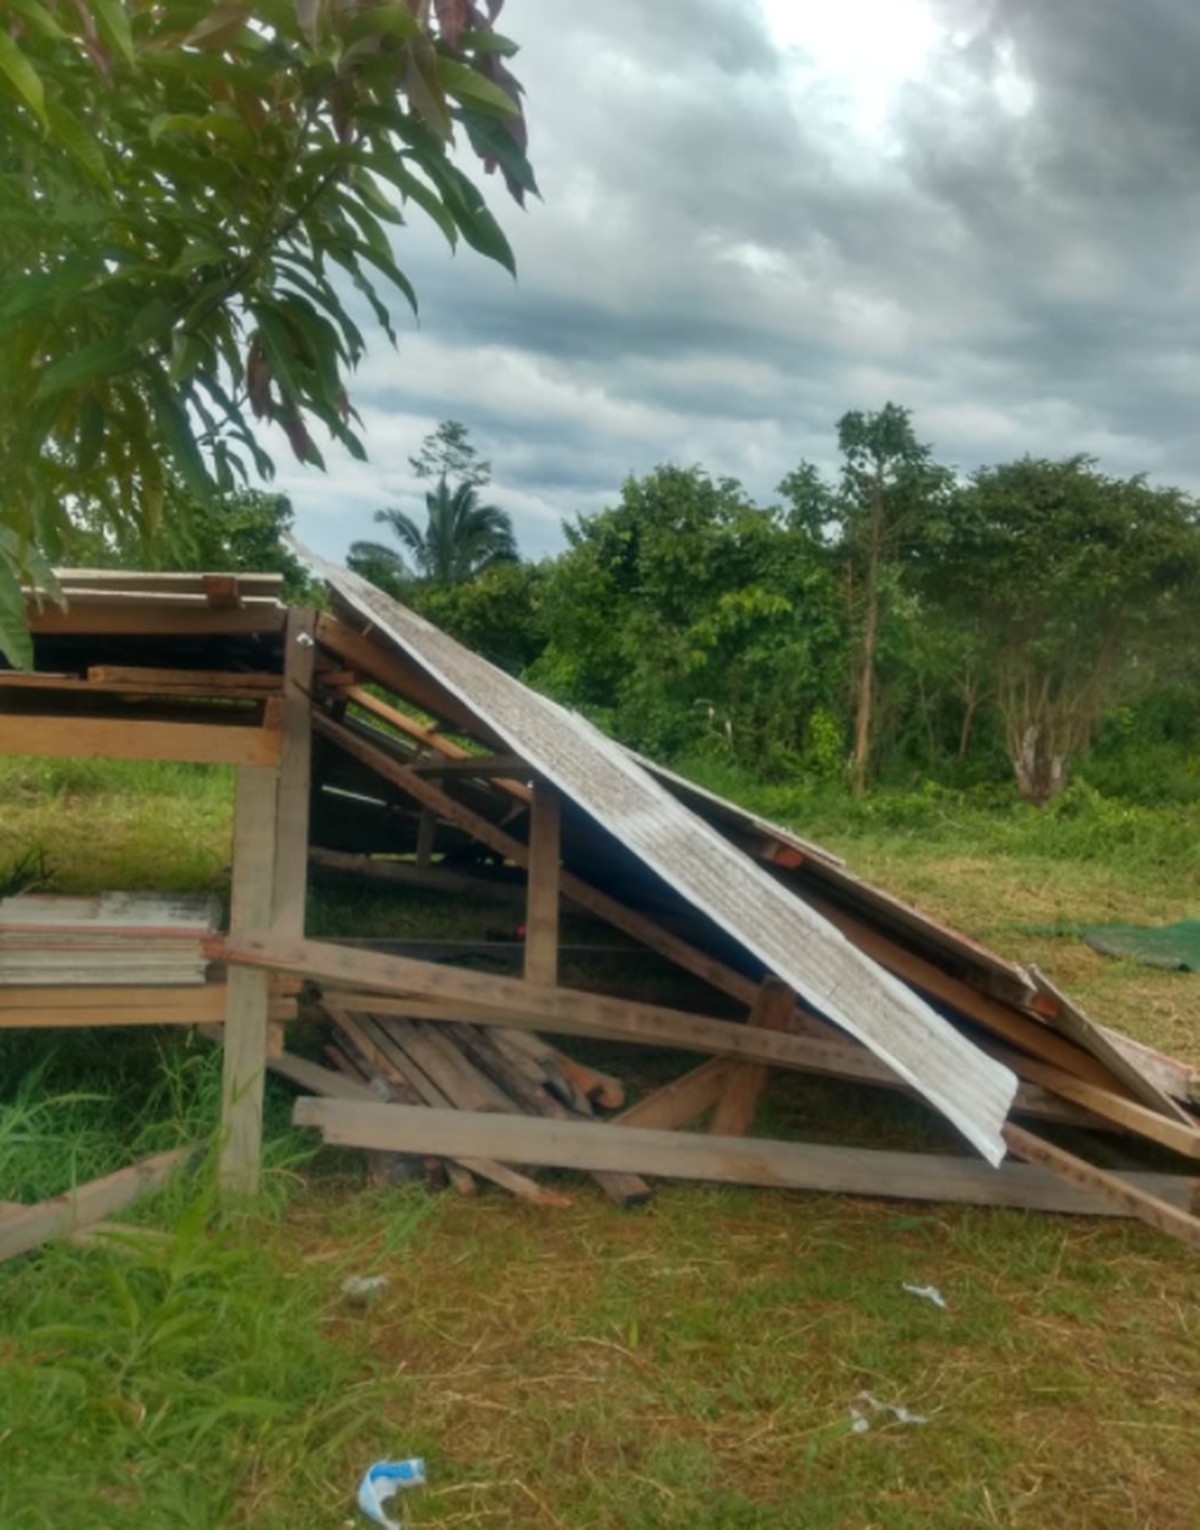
[[758, 214]]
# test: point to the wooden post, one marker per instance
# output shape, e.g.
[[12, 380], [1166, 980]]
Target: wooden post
[[745, 1082], [292, 797], [247, 996], [426, 836], [542, 899]]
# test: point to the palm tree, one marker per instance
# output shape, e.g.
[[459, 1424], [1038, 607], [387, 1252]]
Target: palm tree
[[461, 538]]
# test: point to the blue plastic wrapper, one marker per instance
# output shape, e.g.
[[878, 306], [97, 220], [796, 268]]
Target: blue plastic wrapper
[[382, 1482]]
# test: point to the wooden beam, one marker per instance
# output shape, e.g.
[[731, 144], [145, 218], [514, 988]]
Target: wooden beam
[[1071, 1021], [429, 737], [1122, 1112], [682, 1100], [407, 874], [28, 1227], [542, 897], [247, 1013], [1124, 1193], [38, 682], [1032, 1036], [203, 681], [729, 1160], [745, 1082], [496, 1000], [399, 675], [120, 613], [295, 766], [374, 1044], [131, 738]]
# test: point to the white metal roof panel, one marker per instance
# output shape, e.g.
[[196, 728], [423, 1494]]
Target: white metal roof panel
[[971, 1090]]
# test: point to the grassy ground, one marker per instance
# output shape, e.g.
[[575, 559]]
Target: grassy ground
[[694, 1364]]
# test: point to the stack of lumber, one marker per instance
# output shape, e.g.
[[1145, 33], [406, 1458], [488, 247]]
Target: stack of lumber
[[460, 1066], [127, 938], [115, 959]]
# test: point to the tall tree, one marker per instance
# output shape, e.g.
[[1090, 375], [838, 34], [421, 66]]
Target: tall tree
[[186, 191], [685, 616], [460, 539], [891, 496], [1077, 590], [447, 453]]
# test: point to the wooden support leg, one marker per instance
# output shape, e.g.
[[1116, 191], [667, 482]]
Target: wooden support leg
[[744, 1085], [292, 797], [426, 836], [247, 996], [541, 909]]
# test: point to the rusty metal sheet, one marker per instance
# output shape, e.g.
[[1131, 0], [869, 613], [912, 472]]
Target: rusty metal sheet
[[969, 1089]]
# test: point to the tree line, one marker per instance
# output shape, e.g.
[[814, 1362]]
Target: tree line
[[896, 622]]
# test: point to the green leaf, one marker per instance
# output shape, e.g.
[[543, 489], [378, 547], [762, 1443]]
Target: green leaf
[[113, 21], [219, 28], [91, 434], [79, 143], [476, 223], [111, 354], [22, 76], [38, 17], [15, 642], [465, 84], [373, 21]]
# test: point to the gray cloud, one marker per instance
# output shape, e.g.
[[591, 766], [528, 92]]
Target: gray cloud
[[724, 262]]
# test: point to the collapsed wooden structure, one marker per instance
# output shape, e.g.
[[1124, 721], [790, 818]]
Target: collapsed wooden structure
[[369, 743]]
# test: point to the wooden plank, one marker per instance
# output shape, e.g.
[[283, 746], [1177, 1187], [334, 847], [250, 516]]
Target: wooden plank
[[200, 680], [1071, 1021], [116, 580], [247, 1013], [1172, 1075], [122, 615], [1032, 1036], [603, 1089], [730, 1160], [407, 874], [745, 1082], [527, 1006], [30, 1226], [130, 738], [680, 1101], [35, 681], [318, 1080], [1123, 1193], [485, 766], [386, 667], [207, 1012], [374, 1044], [426, 838], [295, 764], [431, 739], [542, 896], [1131, 1115]]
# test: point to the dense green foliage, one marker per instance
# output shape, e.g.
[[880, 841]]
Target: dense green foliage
[[898, 625], [187, 191]]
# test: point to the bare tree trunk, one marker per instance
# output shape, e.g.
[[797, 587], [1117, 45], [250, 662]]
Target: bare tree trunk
[[1040, 769], [861, 758]]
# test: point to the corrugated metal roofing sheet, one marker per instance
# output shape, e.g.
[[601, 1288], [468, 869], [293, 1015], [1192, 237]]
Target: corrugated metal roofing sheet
[[971, 1090]]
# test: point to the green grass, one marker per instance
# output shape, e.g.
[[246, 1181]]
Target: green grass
[[690, 1365]]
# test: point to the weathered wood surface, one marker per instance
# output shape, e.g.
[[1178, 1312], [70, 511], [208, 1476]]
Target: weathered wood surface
[[734, 1160], [682, 1100], [398, 1069], [27, 1227], [745, 1082], [1141, 1196], [247, 1013], [131, 738], [543, 899], [509, 1001]]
